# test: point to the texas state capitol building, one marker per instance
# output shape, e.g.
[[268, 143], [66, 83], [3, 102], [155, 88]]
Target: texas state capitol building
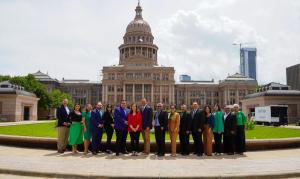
[[138, 74]]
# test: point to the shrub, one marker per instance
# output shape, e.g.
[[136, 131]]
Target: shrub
[[250, 124]]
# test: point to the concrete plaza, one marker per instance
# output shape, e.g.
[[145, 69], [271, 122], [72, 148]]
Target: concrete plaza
[[47, 163]]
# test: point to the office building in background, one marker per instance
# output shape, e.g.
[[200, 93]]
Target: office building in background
[[248, 62]]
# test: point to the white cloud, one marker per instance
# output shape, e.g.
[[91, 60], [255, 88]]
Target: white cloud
[[202, 45], [74, 39]]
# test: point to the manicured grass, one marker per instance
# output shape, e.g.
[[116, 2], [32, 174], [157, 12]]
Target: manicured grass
[[37, 130], [49, 130], [270, 132]]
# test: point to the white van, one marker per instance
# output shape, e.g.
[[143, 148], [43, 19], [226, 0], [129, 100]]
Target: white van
[[273, 114]]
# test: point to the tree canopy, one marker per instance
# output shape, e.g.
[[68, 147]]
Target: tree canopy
[[30, 84]]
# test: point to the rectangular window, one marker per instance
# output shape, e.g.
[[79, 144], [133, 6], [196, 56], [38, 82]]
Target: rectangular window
[[129, 98], [119, 88], [138, 75], [111, 76], [156, 76], [147, 88], [129, 75], [208, 102], [138, 88], [165, 77], [216, 93], [156, 99], [120, 76], [129, 88], [232, 92], [165, 89], [165, 99], [156, 89], [232, 101], [208, 94], [242, 93], [111, 88], [147, 75], [138, 98]]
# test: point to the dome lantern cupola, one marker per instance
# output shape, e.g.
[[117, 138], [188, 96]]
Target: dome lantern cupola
[[138, 44]]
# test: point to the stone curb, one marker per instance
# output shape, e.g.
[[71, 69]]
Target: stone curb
[[50, 143], [90, 176]]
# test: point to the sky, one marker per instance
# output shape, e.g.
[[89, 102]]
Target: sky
[[74, 39]]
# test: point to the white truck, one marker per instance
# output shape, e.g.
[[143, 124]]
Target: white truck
[[271, 115]]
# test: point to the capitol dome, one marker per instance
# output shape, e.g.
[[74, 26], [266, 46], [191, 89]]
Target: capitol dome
[[138, 48], [138, 24]]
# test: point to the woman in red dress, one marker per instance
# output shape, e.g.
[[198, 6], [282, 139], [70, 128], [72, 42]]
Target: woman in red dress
[[134, 128]]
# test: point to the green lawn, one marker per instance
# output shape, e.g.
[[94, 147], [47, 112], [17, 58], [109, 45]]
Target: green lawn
[[49, 130]]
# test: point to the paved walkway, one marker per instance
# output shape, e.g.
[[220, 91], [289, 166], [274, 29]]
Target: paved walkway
[[48, 163], [24, 122], [291, 127]]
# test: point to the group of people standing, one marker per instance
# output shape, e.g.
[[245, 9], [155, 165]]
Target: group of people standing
[[76, 127]]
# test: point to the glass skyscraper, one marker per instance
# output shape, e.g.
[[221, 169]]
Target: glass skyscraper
[[248, 62]]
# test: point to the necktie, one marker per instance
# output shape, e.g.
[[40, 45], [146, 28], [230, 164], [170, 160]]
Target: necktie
[[194, 113]]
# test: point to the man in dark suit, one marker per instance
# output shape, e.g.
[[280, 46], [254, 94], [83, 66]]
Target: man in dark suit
[[229, 130], [63, 124], [185, 130], [121, 126], [161, 125], [147, 116], [198, 120], [96, 125]]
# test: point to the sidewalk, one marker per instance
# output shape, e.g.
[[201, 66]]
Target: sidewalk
[[47, 163], [24, 122], [291, 127]]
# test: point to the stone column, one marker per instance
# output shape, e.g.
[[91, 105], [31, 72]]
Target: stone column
[[106, 96], [170, 94], [129, 54], [133, 93], [186, 97], [152, 99], [124, 91], [103, 93], [115, 93], [160, 93], [143, 93], [147, 54], [228, 95]]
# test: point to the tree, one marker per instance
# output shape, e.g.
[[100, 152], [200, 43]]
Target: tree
[[57, 97], [4, 78], [32, 85]]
